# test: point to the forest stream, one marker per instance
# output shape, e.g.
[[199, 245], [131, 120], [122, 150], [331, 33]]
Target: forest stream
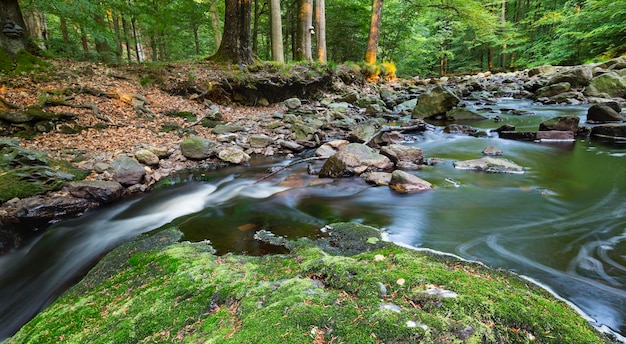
[[561, 223]]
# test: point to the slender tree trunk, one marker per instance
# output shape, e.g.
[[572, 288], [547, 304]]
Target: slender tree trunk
[[119, 51], [374, 33], [127, 39], [255, 28], [16, 36], [138, 45], [84, 43], [320, 23], [303, 38], [215, 23], [503, 32], [276, 32], [235, 46], [64, 32], [102, 46]]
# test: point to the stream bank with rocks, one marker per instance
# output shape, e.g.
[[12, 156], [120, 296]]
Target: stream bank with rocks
[[123, 138]]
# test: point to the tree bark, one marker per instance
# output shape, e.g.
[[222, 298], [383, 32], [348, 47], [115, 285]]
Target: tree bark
[[374, 33], [235, 45], [276, 32], [305, 23], [14, 35], [320, 24], [215, 23], [37, 27]]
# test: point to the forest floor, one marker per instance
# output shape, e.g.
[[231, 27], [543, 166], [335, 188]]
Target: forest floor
[[132, 103]]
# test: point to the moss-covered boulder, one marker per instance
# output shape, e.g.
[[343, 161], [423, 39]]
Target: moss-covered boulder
[[157, 291], [197, 148]]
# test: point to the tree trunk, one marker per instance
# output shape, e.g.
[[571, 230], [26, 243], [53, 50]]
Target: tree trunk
[[64, 32], [37, 27], [84, 43], [305, 24], [235, 45], [119, 50], [126, 39], [215, 23], [503, 23], [320, 23], [374, 33], [14, 35], [276, 32], [102, 46]]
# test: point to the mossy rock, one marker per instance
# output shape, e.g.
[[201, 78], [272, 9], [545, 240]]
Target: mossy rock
[[153, 290]]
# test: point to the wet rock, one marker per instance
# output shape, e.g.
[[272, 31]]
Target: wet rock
[[609, 85], [126, 170], [462, 114], [615, 132], [572, 98], [233, 155], [555, 135], [391, 137], [331, 147], [577, 77], [160, 152], [365, 130], [51, 208], [397, 153], [290, 145], [405, 182], [603, 113], [378, 178], [492, 151], [96, 190], [489, 164], [435, 103], [224, 138], [460, 129], [197, 148], [560, 123], [354, 159], [505, 127], [146, 157], [552, 90]]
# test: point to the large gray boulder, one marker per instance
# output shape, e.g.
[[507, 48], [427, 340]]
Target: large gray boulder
[[97, 190], [197, 148], [127, 171], [577, 77], [609, 85], [603, 113], [435, 103], [552, 90], [560, 123], [354, 159], [489, 164]]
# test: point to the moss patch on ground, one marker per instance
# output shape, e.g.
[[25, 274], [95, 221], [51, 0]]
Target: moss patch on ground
[[157, 290]]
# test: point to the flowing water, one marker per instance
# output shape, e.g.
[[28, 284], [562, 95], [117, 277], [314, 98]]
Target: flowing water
[[562, 222]]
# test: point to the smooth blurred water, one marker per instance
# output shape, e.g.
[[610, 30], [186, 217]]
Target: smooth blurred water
[[562, 222]]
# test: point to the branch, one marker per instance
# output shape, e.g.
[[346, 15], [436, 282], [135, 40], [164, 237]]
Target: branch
[[91, 106], [292, 164]]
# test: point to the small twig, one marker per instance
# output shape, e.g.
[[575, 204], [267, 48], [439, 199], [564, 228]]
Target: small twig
[[292, 164], [196, 122]]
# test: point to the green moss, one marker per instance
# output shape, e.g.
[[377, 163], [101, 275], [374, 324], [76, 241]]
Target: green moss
[[27, 62], [153, 290], [6, 62], [186, 115]]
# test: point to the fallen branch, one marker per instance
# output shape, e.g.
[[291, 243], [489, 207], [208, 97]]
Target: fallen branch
[[91, 106], [282, 168]]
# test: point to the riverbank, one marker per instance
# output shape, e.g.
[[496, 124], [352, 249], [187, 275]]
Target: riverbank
[[92, 117], [349, 287]]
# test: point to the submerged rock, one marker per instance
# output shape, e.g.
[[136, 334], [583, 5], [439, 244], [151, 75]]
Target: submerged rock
[[561, 123], [603, 113], [489, 164]]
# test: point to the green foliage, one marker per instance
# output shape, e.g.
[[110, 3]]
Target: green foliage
[[151, 290]]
